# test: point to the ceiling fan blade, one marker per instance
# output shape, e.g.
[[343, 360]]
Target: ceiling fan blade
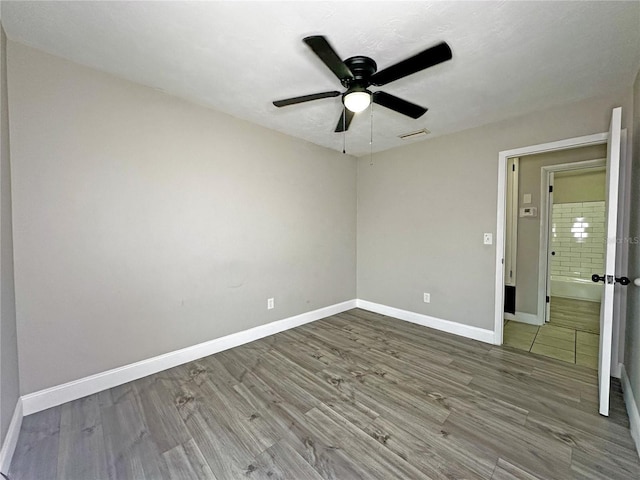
[[328, 55], [399, 105], [305, 98], [425, 59], [344, 122]]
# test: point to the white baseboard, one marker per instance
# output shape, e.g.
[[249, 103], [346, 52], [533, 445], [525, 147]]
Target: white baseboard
[[11, 438], [456, 328], [523, 317], [632, 409], [616, 370], [51, 397]]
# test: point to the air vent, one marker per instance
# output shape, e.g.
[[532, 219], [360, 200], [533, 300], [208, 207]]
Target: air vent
[[410, 136]]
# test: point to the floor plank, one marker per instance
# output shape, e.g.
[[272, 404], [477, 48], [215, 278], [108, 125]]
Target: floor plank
[[506, 471], [186, 462], [282, 462], [82, 440], [36, 456], [356, 395], [129, 447]]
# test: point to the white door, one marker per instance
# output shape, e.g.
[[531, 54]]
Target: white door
[[606, 308]]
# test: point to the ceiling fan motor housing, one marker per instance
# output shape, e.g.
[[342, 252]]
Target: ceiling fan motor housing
[[362, 69]]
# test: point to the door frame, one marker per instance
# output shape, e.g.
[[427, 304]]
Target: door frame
[[545, 219], [566, 144]]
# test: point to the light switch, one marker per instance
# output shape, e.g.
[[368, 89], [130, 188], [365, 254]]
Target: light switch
[[526, 199], [488, 238]]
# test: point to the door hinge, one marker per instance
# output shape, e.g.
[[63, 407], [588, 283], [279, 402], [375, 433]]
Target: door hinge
[[513, 167], [550, 188], [548, 299], [510, 273]]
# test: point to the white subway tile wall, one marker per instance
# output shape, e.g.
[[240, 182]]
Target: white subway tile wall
[[578, 239]]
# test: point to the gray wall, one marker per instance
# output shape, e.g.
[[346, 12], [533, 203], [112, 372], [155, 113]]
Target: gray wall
[[580, 187], [422, 210], [529, 227], [632, 337], [144, 224], [9, 384]]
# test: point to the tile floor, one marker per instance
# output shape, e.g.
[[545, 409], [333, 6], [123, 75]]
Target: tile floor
[[567, 344], [577, 314]]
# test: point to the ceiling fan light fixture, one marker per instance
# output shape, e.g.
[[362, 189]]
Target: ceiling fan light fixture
[[357, 101]]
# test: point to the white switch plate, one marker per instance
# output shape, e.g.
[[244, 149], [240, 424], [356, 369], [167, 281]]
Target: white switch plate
[[270, 303], [488, 238], [526, 198], [427, 298]]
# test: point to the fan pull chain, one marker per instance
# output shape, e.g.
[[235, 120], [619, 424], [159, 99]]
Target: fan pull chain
[[344, 129], [371, 137]]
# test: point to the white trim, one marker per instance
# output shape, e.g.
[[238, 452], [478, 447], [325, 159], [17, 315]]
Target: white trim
[[501, 224], [51, 397], [632, 408], [511, 217], [611, 232], [622, 256], [456, 328], [595, 139], [544, 280], [523, 317], [616, 370], [11, 438]]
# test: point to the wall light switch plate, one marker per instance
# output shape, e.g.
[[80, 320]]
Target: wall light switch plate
[[270, 303], [488, 238], [526, 198]]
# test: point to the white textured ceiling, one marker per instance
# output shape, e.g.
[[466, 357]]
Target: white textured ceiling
[[509, 58]]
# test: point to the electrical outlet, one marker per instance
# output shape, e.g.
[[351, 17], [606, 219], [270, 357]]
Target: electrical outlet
[[427, 298], [270, 303], [488, 238]]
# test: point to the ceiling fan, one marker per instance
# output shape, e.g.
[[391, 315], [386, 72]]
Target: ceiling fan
[[358, 73]]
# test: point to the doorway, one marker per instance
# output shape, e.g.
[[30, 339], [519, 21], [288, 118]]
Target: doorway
[[559, 303], [611, 312], [501, 226]]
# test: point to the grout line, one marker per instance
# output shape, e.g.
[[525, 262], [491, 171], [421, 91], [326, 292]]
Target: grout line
[[534, 339]]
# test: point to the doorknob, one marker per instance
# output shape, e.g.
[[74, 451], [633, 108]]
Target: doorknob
[[624, 281]]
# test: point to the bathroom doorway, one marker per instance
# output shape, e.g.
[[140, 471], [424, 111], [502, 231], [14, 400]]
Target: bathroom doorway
[[574, 251], [555, 242]]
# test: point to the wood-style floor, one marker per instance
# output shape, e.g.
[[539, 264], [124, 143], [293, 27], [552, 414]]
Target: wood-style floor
[[354, 396]]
